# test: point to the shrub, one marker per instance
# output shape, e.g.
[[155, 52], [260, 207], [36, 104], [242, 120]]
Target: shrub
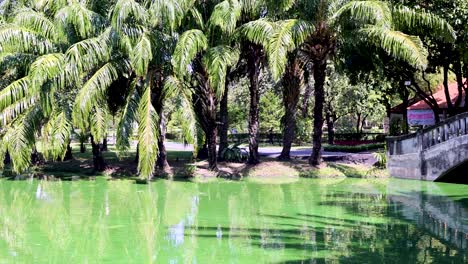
[[233, 153], [381, 157]]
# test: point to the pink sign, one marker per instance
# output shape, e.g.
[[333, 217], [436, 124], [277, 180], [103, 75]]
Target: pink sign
[[421, 117]]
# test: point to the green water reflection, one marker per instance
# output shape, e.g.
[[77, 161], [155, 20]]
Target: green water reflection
[[311, 221]]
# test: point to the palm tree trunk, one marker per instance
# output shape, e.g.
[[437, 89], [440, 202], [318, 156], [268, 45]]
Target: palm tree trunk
[[161, 161], [68, 154], [7, 158], [82, 147], [291, 92], [211, 138], [224, 119], [288, 134], [253, 64], [34, 156], [307, 94], [98, 159], [205, 105], [319, 76], [253, 125], [104, 143]]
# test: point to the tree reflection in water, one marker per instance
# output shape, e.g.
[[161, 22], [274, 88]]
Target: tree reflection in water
[[311, 221]]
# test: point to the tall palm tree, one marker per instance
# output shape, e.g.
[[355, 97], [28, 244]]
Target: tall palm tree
[[246, 17], [201, 60]]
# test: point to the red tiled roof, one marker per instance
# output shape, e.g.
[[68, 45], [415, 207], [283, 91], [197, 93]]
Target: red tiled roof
[[440, 98]]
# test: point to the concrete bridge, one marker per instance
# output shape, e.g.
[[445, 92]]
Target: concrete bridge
[[438, 153]]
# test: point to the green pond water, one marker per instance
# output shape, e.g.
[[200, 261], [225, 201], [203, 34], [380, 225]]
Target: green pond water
[[310, 221]]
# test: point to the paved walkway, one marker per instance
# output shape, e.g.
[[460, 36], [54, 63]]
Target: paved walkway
[[271, 152]]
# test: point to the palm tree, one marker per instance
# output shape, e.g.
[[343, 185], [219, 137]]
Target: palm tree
[[38, 38], [142, 39], [201, 60], [376, 23], [94, 53], [247, 17]]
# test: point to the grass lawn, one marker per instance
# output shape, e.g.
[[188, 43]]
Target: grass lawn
[[123, 165]]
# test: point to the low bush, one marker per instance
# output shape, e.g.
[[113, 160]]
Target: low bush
[[234, 153]]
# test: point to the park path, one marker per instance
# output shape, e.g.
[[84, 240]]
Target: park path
[[299, 152]]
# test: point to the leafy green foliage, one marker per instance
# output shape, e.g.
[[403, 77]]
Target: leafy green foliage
[[381, 157], [147, 135], [234, 153]]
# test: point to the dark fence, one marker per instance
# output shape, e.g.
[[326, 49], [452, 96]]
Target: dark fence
[[274, 138], [277, 138], [377, 137]]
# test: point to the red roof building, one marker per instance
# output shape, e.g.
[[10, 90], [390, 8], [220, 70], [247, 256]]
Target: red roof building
[[440, 97]]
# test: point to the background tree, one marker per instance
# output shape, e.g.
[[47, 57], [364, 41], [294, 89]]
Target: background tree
[[376, 23]]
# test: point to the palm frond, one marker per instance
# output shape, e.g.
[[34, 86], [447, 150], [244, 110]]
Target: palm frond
[[94, 90], [20, 138], [50, 5], [399, 45], [12, 111], [98, 123], [407, 18], [173, 86], [289, 34], [280, 5], [87, 54], [49, 67], [14, 92], [366, 12], [147, 135], [36, 22], [259, 31], [16, 39], [216, 62], [225, 15], [85, 22], [125, 10], [56, 136], [189, 45], [3, 151], [127, 120], [188, 121], [197, 17], [141, 55], [170, 13]]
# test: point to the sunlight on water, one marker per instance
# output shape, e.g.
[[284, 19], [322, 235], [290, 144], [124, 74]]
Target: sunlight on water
[[311, 221]]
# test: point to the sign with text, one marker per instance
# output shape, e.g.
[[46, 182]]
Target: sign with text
[[421, 118]]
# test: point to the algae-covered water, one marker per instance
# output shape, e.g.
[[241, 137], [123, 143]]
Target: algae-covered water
[[310, 221]]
